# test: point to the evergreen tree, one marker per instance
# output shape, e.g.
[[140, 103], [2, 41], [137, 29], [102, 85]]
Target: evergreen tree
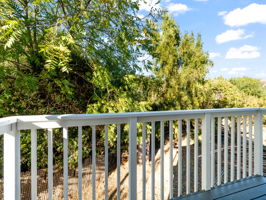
[[180, 67]]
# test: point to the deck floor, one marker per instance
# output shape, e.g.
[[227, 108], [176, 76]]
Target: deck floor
[[245, 189]]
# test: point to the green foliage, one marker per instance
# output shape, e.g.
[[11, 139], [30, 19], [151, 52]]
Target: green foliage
[[180, 67], [60, 56], [221, 93], [249, 86], [65, 43]]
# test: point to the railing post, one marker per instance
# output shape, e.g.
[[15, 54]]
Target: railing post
[[132, 159], [12, 164], [258, 145], [206, 152]]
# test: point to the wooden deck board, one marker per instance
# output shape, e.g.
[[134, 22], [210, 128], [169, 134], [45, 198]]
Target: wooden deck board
[[245, 189]]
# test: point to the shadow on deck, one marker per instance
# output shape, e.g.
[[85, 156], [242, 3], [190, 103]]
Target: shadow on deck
[[245, 189]]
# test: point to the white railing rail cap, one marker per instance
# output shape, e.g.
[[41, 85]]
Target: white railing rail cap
[[131, 114], [8, 120], [43, 118]]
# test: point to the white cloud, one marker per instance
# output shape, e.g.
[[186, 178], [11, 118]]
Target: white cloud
[[230, 35], [236, 73], [178, 8], [244, 52], [253, 13], [235, 70], [224, 69], [239, 69], [222, 13], [148, 5], [261, 75], [214, 54]]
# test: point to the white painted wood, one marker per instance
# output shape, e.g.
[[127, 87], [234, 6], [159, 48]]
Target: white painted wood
[[169, 117], [33, 164], [118, 162], [232, 173], [225, 149], [258, 145], [238, 148], [69, 123], [65, 121], [179, 158], [196, 161], [17, 162], [229, 114], [5, 129], [188, 157], [171, 158], [71, 117], [80, 163], [250, 146], [50, 164], [244, 175], [106, 162], [65, 162], [206, 148], [153, 161], [162, 160], [219, 144], [6, 121], [212, 152], [69, 120], [12, 164], [93, 178], [133, 159]]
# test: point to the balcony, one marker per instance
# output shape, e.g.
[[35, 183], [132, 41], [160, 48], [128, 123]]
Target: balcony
[[194, 154]]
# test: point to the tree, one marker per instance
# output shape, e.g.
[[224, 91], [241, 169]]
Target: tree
[[180, 67], [51, 49], [67, 56], [221, 93], [250, 86]]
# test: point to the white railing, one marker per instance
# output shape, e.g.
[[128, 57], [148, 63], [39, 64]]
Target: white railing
[[219, 137]]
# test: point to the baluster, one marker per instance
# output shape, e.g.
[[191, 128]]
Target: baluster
[[196, 161], [238, 147], [206, 157], [65, 162], [171, 158], [212, 151], [232, 148], [50, 164], [93, 174], [33, 164], [250, 147], [106, 163], [188, 158], [153, 161], [244, 147], [219, 167], [179, 157], [225, 149], [118, 155], [133, 159], [162, 159]]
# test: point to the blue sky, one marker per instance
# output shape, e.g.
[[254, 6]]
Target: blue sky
[[233, 32]]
